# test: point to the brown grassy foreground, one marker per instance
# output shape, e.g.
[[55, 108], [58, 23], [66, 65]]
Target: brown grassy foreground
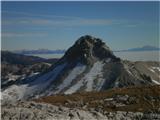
[[142, 99]]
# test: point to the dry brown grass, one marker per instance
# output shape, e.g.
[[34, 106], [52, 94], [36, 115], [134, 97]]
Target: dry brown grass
[[96, 99]]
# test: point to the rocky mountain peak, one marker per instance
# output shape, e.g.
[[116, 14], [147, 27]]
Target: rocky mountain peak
[[89, 65], [88, 49]]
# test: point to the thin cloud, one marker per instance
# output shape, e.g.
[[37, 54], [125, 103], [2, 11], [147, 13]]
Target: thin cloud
[[10, 34], [132, 25], [21, 18], [55, 22], [22, 14]]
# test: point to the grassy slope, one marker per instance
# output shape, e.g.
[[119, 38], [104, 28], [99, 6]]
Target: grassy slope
[[147, 98]]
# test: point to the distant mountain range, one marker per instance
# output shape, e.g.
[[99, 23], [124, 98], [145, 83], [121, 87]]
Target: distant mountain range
[[20, 59], [144, 48], [62, 51], [40, 51]]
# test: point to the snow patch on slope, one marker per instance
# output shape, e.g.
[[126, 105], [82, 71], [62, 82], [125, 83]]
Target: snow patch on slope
[[156, 82], [156, 68], [108, 60], [129, 71], [94, 73], [79, 68], [74, 88], [116, 84], [45, 80], [152, 70], [34, 87], [13, 77], [14, 92]]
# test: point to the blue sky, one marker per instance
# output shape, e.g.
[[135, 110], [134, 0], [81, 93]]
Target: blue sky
[[56, 25]]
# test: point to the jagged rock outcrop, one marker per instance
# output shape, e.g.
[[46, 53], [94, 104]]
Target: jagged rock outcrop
[[88, 49]]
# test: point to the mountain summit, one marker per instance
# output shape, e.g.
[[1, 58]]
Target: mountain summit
[[89, 65], [88, 49]]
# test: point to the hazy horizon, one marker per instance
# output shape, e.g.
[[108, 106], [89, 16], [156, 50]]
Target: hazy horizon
[[117, 50]]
